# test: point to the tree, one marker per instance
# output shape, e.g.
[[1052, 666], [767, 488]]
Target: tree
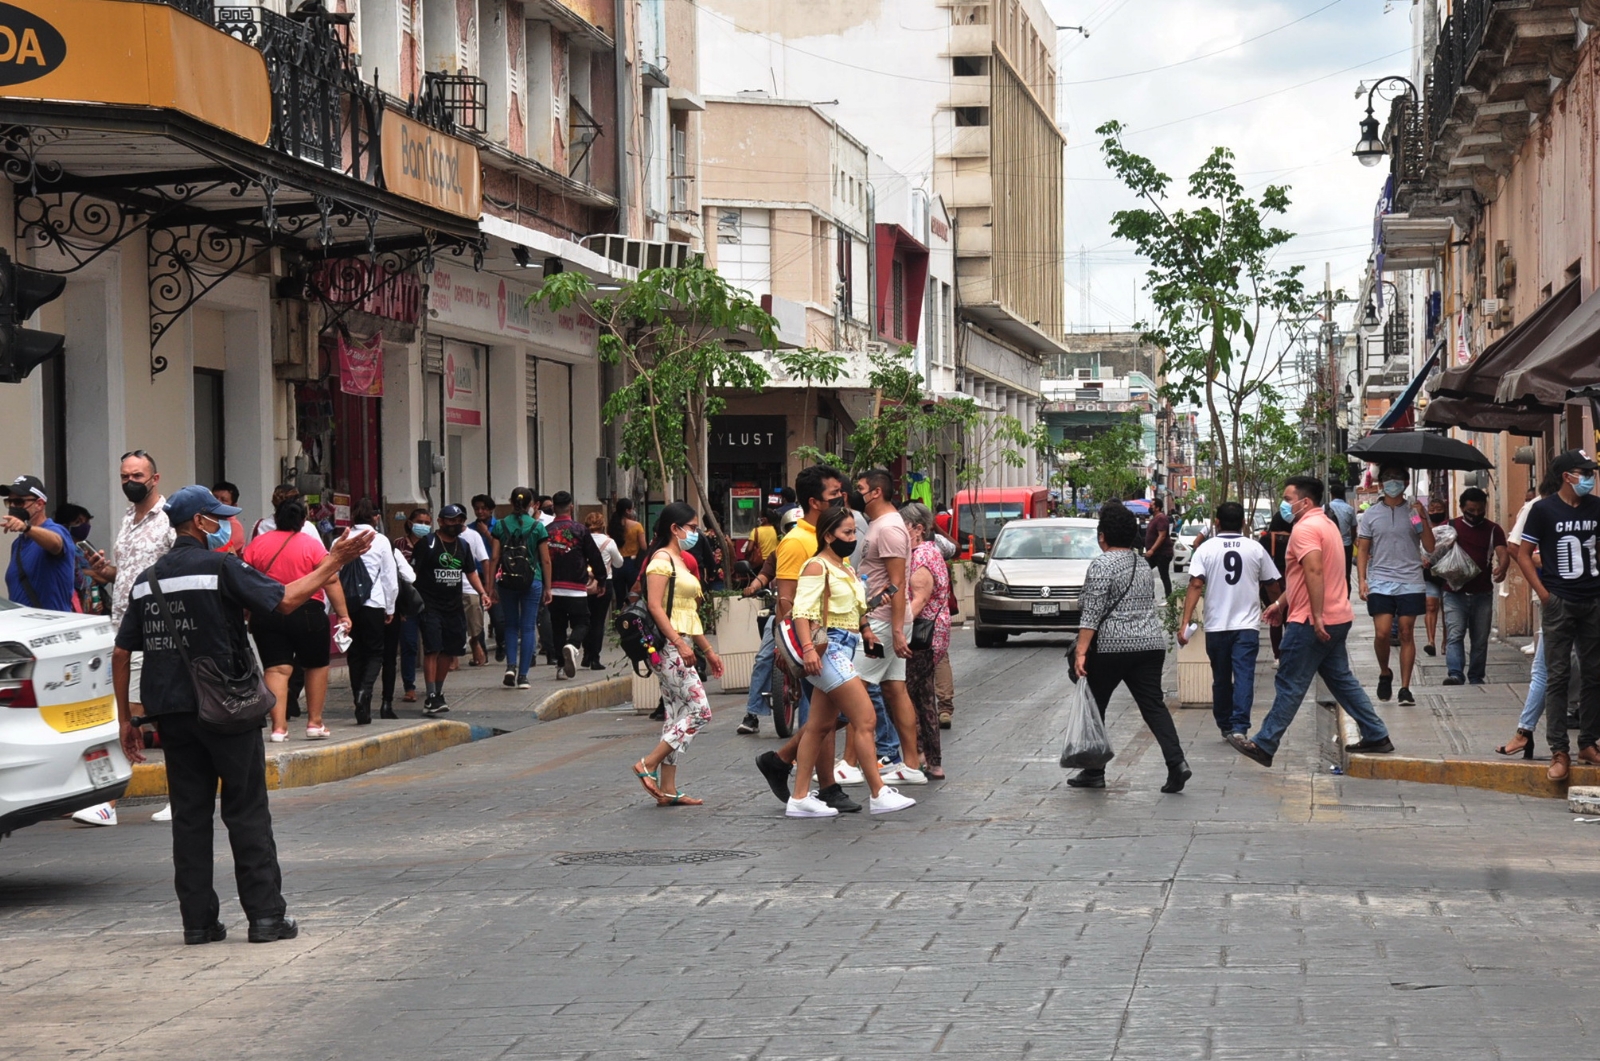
[[1110, 464], [1218, 301], [1272, 450], [668, 329]]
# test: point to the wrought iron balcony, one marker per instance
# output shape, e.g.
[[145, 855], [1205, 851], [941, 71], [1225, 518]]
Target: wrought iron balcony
[[1459, 41], [455, 101]]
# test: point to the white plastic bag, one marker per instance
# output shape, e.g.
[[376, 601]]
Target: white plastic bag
[[1454, 567], [1086, 747]]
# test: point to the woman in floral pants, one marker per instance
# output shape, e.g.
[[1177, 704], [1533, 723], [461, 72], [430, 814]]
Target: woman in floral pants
[[674, 596], [930, 591]]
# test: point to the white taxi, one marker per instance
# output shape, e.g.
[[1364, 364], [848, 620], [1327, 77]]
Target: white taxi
[[59, 750]]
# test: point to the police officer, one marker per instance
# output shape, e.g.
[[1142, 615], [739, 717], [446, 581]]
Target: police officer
[[208, 593]]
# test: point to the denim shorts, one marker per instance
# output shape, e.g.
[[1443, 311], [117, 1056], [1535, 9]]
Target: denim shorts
[[838, 661]]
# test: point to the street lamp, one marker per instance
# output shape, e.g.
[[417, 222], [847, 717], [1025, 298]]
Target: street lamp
[[1370, 149]]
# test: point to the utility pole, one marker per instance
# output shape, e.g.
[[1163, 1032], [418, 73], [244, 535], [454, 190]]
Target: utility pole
[[1330, 370]]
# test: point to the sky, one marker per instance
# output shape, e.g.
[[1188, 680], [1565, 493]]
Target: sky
[[1284, 103]]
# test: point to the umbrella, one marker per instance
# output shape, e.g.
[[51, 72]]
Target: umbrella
[[1420, 449]]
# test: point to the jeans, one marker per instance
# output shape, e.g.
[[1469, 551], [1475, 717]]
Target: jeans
[[838, 661], [1233, 677], [1164, 569], [1568, 623], [761, 674], [886, 736], [521, 611], [1533, 706], [595, 642], [1141, 673], [1305, 657], [1467, 613]]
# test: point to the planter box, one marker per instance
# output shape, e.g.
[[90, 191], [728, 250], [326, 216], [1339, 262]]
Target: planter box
[[965, 589], [736, 667], [737, 632], [1194, 673], [646, 691]]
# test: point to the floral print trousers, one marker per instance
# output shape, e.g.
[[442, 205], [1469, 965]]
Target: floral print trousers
[[687, 708]]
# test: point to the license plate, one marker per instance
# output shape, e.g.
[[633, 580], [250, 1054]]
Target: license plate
[[1047, 609], [102, 770], [65, 718]]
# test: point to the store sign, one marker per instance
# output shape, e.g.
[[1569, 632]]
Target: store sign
[[141, 55], [369, 287], [361, 367], [495, 306], [461, 388], [747, 439], [431, 167]]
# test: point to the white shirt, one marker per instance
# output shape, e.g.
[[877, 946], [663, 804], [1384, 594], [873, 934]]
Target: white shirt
[[1514, 539], [480, 555], [1233, 568], [608, 551], [386, 568], [546, 518]]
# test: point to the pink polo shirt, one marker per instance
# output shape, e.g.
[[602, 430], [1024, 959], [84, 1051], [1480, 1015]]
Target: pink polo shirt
[[1315, 532]]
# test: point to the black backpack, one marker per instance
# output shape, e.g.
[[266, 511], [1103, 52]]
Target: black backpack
[[357, 583], [637, 631], [516, 563]]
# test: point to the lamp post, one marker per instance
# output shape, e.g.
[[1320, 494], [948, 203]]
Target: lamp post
[[1370, 149]]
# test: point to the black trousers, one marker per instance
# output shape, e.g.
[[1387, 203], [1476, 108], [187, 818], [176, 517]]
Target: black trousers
[[549, 646], [595, 641], [196, 760], [569, 622], [366, 655], [1164, 569], [1141, 673]]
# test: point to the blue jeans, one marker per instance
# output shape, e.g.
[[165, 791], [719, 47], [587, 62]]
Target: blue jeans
[[521, 612], [887, 737], [761, 674], [1233, 677], [1467, 613], [1303, 658], [1533, 706]]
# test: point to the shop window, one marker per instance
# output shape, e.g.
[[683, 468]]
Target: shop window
[[209, 466]]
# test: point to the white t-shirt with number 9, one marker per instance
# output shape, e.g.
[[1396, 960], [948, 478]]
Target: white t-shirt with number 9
[[1233, 568]]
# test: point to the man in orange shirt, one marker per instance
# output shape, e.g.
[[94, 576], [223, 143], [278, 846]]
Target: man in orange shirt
[[1317, 606]]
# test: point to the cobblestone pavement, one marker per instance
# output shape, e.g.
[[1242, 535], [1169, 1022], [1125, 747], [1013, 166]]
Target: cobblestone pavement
[[482, 903]]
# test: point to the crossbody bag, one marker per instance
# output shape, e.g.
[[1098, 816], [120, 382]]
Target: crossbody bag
[[1072, 645], [228, 703]]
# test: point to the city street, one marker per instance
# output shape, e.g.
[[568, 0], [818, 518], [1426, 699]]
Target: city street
[[519, 898]]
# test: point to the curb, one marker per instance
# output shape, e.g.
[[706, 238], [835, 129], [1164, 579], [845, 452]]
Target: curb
[[609, 692], [334, 762], [1517, 778]]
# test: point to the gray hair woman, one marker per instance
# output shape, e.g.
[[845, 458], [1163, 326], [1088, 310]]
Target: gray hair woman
[[1121, 642], [929, 580]]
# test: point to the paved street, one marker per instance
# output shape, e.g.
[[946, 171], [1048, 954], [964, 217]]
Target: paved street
[[481, 903]]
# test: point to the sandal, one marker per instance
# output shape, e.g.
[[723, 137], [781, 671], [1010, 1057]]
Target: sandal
[[1522, 745], [650, 779], [678, 799], [279, 736], [318, 733]]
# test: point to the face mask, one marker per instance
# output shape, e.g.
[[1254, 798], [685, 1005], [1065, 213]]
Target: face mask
[[858, 501], [135, 492], [689, 540], [1286, 510], [451, 530], [837, 502], [421, 530], [842, 549], [18, 512], [1584, 485], [80, 533], [1472, 521], [1437, 517], [1393, 487], [221, 536]]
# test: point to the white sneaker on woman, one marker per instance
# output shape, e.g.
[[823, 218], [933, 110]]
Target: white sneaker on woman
[[887, 801], [845, 774], [810, 807], [900, 774]]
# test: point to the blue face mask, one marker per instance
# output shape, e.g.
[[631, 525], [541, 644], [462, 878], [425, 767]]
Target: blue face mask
[[689, 540], [220, 537], [1394, 487], [1584, 485], [1286, 510], [421, 530]]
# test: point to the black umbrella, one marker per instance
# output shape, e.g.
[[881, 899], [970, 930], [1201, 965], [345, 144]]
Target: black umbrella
[[1420, 449]]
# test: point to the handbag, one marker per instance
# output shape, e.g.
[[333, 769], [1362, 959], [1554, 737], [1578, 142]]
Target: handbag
[[788, 638], [921, 635], [228, 703], [1072, 643], [637, 631]]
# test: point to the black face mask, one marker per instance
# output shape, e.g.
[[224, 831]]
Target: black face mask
[[837, 502], [1437, 517], [135, 492], [858, 501], [18, 512], [841, 548], [451, 530]]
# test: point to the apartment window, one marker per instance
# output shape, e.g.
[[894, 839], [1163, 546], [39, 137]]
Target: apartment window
[[946, 319], [972, 116], [846, 271], [744, 249], [680, 168], [969, 65], [897, 301]]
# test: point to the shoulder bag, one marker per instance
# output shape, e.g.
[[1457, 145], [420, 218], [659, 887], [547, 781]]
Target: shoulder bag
[[228, 703], [793, 656], [637, 630]]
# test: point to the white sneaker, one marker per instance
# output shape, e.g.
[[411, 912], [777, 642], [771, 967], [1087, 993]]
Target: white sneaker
[[162, 815], [900, 774], [810, 807], [569, 660], [887, 801], [99, 814], [845, 774]]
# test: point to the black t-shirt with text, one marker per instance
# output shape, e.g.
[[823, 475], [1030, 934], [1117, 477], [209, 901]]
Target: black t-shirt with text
[[441, 567], [1568, 540]]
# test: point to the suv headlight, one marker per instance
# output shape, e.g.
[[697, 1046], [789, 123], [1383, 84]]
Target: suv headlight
[[989, 585]]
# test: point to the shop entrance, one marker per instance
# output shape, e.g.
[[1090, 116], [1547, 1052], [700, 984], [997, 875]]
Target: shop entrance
[[746, 453]]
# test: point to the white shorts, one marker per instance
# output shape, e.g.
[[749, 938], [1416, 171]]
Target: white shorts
[[891, 668], [135, 671]]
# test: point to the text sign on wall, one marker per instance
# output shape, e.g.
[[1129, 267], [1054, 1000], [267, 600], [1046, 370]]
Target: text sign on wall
[[431, 167], [493, 305]]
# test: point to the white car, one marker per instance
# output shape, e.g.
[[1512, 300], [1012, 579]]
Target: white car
[[59, 749], [1183, 545]]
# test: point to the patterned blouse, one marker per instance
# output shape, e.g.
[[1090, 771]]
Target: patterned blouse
[[1131, 624], [928, 557], [140, 543]]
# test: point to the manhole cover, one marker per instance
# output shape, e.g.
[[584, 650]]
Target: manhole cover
[[648, 858]]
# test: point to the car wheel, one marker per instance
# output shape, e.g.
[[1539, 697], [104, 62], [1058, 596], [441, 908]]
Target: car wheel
[[988, 638]]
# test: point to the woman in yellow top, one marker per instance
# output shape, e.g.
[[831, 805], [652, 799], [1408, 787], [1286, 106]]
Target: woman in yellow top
[[829, 600], [678, 620], [628, 533]]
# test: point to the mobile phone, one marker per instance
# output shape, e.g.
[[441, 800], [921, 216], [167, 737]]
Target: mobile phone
[[878, 598], [874, 651]]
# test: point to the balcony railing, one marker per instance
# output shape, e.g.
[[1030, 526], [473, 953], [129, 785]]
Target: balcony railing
[[460, 100], [1459, 41]]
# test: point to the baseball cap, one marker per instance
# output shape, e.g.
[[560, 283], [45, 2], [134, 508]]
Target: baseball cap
[[193, 501], [1573, 460], [24, 486], [452, 512]]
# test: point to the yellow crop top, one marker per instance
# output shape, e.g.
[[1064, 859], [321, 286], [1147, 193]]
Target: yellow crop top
[[683, 609], [847, 599]]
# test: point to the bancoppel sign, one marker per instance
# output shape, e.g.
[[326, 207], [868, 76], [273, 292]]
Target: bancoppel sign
[[421, 163]]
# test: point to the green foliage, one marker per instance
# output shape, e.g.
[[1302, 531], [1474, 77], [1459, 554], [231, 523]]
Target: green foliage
[[1218, 300], [1271, 450], [1109, 465]]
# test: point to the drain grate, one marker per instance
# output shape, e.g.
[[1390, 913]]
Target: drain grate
[[648, 858]]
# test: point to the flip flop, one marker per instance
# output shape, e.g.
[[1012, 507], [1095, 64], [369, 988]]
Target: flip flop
[[678, 799], [650, 779]]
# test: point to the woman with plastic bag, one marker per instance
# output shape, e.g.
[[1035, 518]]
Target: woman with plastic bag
[[1121, 641]]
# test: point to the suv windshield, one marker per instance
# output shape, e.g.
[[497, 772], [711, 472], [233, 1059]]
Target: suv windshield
[[1047, 543]]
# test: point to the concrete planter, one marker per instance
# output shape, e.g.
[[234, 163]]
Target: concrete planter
[[1194, 673], [964, 576]]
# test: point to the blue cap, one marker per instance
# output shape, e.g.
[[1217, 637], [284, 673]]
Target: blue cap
[[193, 501], [452, 512]]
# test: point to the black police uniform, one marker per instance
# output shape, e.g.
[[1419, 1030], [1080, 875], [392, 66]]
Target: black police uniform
[[208, 592]]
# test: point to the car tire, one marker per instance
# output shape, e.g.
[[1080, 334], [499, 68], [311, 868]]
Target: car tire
[[988, 638]]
